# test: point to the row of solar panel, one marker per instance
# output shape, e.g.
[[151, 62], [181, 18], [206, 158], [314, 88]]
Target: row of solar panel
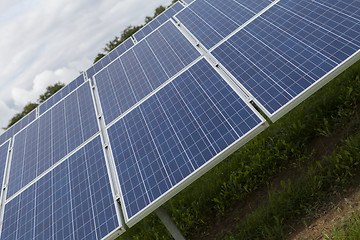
[[170, 115], [138, 36], [282, 52], [118, 51], [155, 23], [73, 201], [59, 95], [142, 69], [51, 137], [174, 133], [275, 50], [35, 150]]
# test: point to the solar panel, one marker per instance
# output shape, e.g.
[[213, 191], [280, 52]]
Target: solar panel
[[9, 133], [183, 128], [156, 22], [116, 52], [169, 109], [51, 137], [289, 49], [187, 1], [210, 21], [142, 69], [63, 92], [72, 201]]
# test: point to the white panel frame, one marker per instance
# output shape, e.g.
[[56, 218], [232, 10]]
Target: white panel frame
[[4, 182]]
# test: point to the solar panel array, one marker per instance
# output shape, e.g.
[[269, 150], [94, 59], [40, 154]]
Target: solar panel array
[[61, 94], [119, 50], [51, 137], [163, 110], [156, 22], [288, 49], [176, 132], [72, 201], [9, 133]]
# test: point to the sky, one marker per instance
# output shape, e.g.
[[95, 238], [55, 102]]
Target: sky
[[43, 42]]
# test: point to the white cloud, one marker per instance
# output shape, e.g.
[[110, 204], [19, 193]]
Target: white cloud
[[6, 114], [43, 42], [23, 96]]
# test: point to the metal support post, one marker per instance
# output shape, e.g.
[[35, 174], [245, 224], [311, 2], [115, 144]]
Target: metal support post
[[169, 223]]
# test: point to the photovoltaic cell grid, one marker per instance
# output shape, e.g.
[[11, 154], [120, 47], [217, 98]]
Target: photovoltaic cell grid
[[59, 95], [181, 128], [156, 22], [176, 132], [103, 62], [288, 49], [51, 137], [9, 133], [210, 21], [142, 69], [348, 7], [187, 1], [72, 201]]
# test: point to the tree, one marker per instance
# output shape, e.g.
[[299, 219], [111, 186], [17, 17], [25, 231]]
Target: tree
[[98, 57], [50, 90], [159, 10]]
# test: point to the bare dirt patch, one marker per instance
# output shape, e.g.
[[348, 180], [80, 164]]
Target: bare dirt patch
[[338, 212]]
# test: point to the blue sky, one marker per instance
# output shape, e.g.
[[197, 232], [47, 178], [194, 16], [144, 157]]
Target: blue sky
[[43, 42]]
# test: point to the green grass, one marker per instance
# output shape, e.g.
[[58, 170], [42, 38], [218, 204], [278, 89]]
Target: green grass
[[285, 142], [349, 229], [312, 190]]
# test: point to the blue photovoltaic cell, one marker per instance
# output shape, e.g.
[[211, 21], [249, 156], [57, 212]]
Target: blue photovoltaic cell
[[150, 65], [162, 18], [63, 92], [119, 50], [348, 7], [210, 21], [166, 15], [103, 62], [18, 221], [142, 69], [171, 48], [51, 137], [4, 149], [281, 53], [177, 7], [3, 138], [174, 133], [188, 1], [45, 149], [127, 45], [324, 14], [133, 71], [72, 201]]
